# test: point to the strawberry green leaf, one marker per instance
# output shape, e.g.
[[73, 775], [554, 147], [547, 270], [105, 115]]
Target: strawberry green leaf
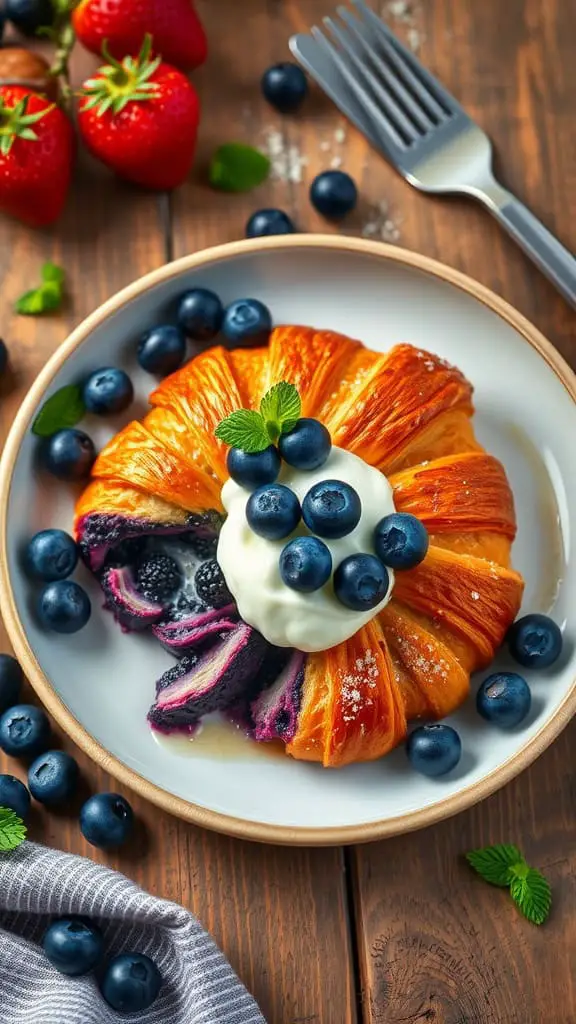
[[532, 895], [281, 408], [12, 830], [495, 864], [63, 409], [236, 167], [244, 429]]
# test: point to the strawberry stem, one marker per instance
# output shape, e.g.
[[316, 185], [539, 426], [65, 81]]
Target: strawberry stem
[[119, 82], [63, 36], [16, 123]]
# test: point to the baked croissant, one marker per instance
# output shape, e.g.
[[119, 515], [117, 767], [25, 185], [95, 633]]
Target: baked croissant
[[406, 413]]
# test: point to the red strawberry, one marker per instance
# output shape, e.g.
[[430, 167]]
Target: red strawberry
[[122, 24], [36, 154], [140, 118]]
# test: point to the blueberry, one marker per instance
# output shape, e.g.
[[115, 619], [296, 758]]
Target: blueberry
[[106, 820], [52, 777], [158, 577], [162, 349], [13, 794], [253, 469], [211, 587], [535, 641], [269, 222], [361, 582], [29, 15], [131, 983], [108, 391], [504, 699], [200, 314], [434, 749], [400, 541], [273, 511], [307, 445], [331, 509], [51, 555], [73, 946], [285, 86], [70, 454], [305, 564], [24, 731], [10, 681], [247, 322], [64, 606], [333, 194], [3, 349]]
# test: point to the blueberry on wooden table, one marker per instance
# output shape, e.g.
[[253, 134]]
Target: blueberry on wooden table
[[24, 731], [29, 15], [73, 946], [64, 607], [69, 454], [106, 820], [434, 749], [285, 86], [161, 350], [269, 222], [333, 194], [108, 391], [14, 795], [131, 983], [52, 777], [51, 555], [10, 681], [200, 314]]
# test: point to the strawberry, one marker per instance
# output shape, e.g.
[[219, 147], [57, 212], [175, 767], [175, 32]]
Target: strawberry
[[36, 154], [140, 118], [122, 24]]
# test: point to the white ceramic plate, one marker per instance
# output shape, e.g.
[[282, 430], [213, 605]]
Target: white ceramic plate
[[99, 683]]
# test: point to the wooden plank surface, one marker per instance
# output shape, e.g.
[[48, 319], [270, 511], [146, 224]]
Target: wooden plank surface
[[433, 943]]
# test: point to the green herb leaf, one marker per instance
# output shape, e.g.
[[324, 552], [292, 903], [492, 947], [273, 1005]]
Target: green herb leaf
[[531, 894], [63, 409], [244, 429], [236, 167], [12, 830], [281, 408], [495, 864], [47, 297]]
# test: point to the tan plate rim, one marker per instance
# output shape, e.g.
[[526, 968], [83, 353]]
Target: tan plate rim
[[176, 805]]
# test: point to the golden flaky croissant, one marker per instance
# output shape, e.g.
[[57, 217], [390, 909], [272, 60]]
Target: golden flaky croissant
[[405, 412]]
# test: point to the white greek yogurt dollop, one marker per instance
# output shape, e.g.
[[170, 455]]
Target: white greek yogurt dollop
[[286, 617]]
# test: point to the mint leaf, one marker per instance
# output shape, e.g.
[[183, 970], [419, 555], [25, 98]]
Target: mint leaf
[[244, 429], [281, 409], [47, 297], [63, 409], [495, 864], [52, 272], [532, 895], [236, 167], [12, 830]]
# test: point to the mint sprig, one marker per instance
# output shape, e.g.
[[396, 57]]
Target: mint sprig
[[47, 297], [12, 830], [236, 167], [253, 431], [63, 409], [505, 866]]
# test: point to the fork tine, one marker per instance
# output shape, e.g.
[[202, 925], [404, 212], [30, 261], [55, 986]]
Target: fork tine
[[377, 115], [427, 88], [404, 126]]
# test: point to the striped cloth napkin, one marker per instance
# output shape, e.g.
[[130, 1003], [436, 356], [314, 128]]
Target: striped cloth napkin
[[38, 884]]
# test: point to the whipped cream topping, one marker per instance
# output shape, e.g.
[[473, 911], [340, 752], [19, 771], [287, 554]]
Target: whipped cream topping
[[286, 617]]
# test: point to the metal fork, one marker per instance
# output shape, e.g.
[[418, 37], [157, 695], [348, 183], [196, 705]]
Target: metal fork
[[419, 126]]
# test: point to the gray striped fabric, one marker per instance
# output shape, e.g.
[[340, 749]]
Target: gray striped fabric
[[38, 884]]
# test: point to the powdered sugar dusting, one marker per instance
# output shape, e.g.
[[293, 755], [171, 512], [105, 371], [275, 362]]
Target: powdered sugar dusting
[[354, 686], [287, 162], [381, 224], [407, 14]]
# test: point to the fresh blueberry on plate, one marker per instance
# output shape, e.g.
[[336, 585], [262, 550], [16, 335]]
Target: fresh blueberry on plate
[[434, 749], [331, 509], [14, 795], [70, 454], [24, 731], [535, 641], [108, 391], [273, 511], [106, 820], [247, 322], [254, 469], [64, 606], [29, 15], [73, 945], [200, 314], [51, 555], [305, 564], [361, 582], [3, 349], [285, 86], [400, 541], [504, 699], [307, 445], [131, 983], [269, 222], [161, 350], [333, 194], [10, 681], [52, 777]]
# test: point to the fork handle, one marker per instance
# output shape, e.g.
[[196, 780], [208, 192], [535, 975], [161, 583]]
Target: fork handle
[[538, 243]]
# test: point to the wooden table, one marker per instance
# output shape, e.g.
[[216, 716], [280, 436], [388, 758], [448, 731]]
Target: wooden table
[[400, 930]]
